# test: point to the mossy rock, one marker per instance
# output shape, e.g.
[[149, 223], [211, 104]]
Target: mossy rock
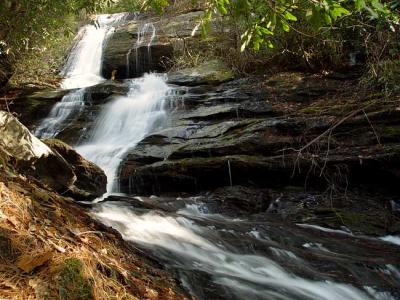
[[359, 222], [211, 72], [73, 285]]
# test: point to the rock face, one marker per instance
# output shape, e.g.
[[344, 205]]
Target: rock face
[[91, 181], [30, 156], [35, 106], [133, 50], [251, 146], [235, 132], [211, 72]]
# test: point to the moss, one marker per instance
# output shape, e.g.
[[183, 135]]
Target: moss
[[311, 110], [41, 195], [73, 285], [362, 222], [292, 188], [390, 131]]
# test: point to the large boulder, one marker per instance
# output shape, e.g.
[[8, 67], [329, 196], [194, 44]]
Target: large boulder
[[28, 155], [33, 106], [91, 181], [129, 58], [243, 132]]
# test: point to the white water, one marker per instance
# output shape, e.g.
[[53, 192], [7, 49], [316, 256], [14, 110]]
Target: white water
[[70, 105], [246, 276], [146, 33], [126, 121], [391, 239], [82, 69], [83, 66]]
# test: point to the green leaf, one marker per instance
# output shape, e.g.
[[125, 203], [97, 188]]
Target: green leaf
[[285, 26], [289, 16], [377, 5], [360, 4]]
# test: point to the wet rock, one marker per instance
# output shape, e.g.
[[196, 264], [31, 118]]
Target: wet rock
[[91, 180], [101, 93], [212, 72], [197, 174], [140, 60], [129, 60], [241, 199], [33, 107]]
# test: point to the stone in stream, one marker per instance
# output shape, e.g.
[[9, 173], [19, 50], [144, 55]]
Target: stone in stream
[[30, 156]]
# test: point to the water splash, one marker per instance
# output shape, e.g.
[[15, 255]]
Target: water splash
[[126, 121], [145, 34]]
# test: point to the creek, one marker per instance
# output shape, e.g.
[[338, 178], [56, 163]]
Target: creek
[[214, 255]]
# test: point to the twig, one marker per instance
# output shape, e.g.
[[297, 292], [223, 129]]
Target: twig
[[373, 129], [352, 114]]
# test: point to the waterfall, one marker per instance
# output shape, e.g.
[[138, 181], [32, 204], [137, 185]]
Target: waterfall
[[126, 121], [70, 105], [146, 33], [81, 70]]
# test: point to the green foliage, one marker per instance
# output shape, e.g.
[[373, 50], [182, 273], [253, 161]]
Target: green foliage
[[124, 5], [44, 60], [264, 19], [25, 24], [157, 5]]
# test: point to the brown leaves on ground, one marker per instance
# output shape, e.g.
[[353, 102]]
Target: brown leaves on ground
[[51, 249], [29, 262]]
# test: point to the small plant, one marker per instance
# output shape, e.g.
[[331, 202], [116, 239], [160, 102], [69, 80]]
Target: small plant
[[73, 284]]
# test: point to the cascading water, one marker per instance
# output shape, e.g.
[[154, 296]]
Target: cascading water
[[81, 70], [145, 34], [215, 252], [126, 121], [212, 254]]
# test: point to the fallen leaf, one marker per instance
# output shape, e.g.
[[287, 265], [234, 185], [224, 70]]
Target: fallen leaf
[[28, 263]]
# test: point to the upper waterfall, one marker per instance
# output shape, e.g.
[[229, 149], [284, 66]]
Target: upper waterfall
[[83, 66], [82, 69]]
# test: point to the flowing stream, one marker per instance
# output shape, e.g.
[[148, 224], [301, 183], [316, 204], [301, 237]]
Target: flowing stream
[[214, 256]]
